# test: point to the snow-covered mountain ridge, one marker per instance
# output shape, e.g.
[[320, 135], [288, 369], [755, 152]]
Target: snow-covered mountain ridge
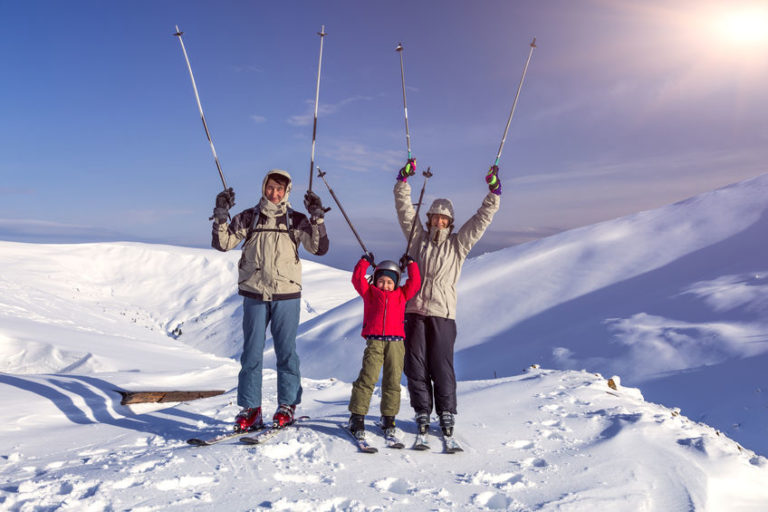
[[671, 300]]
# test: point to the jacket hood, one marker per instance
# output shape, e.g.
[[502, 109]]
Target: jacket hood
[[442, 207], [281, 173]]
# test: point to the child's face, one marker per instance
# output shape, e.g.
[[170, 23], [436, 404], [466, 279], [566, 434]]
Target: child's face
[[385, 283]]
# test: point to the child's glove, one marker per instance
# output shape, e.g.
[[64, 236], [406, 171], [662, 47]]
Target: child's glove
[[409, 169], [405, 260], [493, 181], [369, 258]]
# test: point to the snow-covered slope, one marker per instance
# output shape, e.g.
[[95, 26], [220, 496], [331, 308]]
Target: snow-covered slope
[[543, 440], [672, 300], [671, 293]]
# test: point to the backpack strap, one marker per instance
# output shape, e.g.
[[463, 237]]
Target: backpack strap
[[286, 218]]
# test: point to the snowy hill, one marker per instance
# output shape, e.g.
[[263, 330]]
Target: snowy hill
[[672, 300]]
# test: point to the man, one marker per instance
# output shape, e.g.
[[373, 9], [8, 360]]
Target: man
[[430, 319], [270, 282]]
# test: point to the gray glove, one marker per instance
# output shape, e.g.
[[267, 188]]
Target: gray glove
[[314, 205], [224, 201]]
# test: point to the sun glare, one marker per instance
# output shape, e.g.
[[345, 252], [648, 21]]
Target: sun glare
[[746, 27]]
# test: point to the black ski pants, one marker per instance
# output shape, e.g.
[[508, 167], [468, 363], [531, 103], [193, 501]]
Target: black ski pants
[[429, 342]]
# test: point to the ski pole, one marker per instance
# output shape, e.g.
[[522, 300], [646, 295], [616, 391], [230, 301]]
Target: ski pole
[[427, 174], [317, 98], [200, 107], [514, 104], [399, 50], [321, 174]]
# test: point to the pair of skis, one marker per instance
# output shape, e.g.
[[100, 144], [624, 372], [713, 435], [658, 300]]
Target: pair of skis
[[255, 436], [450, 444], [392, 439]]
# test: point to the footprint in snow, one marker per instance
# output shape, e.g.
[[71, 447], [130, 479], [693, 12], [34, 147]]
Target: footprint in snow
[[494, 501], [395, 485], [521, 444]]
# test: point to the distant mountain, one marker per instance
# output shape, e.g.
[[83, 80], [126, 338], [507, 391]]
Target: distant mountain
[[661, 298]]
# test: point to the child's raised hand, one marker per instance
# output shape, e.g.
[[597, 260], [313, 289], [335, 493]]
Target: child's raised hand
[[404, 261], [369, 258]]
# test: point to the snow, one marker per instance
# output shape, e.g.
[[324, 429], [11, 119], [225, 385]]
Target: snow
[[669, 304]]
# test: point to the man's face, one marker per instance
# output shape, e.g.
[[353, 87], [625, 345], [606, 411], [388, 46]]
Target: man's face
[[439, 221], [274, 191]]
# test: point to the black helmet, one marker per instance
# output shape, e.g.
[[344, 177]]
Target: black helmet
[[387, 268]]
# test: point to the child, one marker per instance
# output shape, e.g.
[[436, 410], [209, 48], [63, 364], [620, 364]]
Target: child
[[383, 317]]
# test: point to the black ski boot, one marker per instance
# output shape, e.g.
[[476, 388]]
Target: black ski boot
[[422, 423], [447, 423], [387, 422], [356, 425]]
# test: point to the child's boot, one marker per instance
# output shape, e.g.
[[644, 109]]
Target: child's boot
[[388, 424], [356, 425]]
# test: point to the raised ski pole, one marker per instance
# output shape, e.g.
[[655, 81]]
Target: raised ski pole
[[399, 50], [514, 104], [200, 107], [427, 174], [317, 98], [321, 174]]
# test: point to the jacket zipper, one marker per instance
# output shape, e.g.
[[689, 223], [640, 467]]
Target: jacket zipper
[[384, 325]]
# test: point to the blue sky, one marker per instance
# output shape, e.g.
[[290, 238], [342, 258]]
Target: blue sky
[[626, 106]]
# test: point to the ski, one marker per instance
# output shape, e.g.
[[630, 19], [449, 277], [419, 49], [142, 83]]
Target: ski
[[269, 432], [195, 441], [362, 444], [421, 443], [392, 438], [451, 445]]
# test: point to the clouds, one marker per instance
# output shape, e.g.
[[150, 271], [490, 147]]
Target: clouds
[[355, 156], [323, 109], [44, 231]]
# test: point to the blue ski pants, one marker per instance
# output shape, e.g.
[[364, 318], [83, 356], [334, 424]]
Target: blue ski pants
[[282, 316]]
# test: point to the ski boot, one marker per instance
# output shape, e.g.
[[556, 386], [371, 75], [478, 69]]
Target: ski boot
[[447, 423], [249, 419], [356, 425], [422, 423], [283, 416], [388, 425]]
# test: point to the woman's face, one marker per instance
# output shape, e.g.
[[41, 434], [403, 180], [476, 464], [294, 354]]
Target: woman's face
[[439, 221]]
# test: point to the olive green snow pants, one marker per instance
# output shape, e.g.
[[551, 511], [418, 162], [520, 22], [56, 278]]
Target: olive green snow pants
[[379, 353]]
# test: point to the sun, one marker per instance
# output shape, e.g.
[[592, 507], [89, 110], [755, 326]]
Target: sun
[[748, 26]]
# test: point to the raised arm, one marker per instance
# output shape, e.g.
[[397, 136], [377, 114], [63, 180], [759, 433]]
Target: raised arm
[[413, 284], [226, 236], [473, 229], [359, 281]]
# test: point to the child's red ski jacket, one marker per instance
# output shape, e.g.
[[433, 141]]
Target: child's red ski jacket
[[384, 312]]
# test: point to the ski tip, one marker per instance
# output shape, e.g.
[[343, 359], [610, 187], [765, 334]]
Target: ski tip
[[197, 442]]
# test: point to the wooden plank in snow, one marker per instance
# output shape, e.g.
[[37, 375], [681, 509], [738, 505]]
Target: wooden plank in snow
[[143, 397]]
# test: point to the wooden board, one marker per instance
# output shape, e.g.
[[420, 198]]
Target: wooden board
[[143, 397]]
